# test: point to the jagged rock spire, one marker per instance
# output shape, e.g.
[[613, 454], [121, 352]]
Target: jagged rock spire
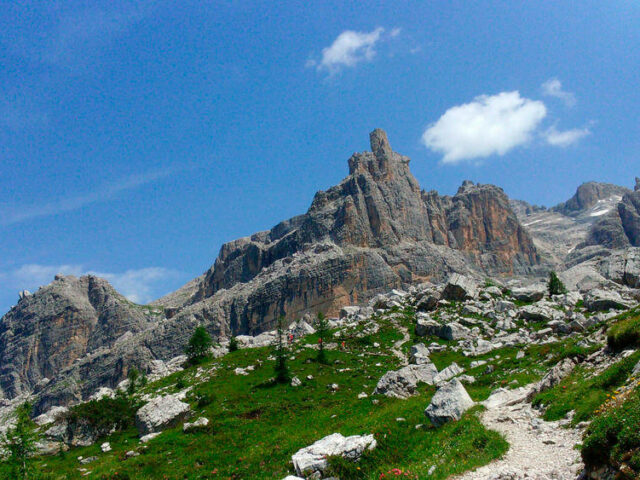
[[637, 187]]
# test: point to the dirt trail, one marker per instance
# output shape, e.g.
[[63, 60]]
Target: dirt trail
[[538, 449]]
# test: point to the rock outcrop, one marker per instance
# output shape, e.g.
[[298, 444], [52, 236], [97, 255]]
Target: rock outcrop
[[374, 231], [621, 227], [52, 329], [588, 195]]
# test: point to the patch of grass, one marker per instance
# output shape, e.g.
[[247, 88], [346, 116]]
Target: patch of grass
[[256, 425], [625, 332], [613, 438], [582, 393], [452, 449]]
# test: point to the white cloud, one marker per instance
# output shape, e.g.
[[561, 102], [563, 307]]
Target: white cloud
[[566, 137], [489, 125], [139, 286], [20, 213], [349, 49], [553, 88]]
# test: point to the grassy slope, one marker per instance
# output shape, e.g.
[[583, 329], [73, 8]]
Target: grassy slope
[[256, 426]]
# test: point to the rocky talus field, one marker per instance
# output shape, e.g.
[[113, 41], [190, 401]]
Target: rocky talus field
[[470, 336]]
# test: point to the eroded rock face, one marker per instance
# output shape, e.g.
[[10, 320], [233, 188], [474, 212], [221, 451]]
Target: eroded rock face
[[621, 227], [587, 196], [374, 231], [59, 324]]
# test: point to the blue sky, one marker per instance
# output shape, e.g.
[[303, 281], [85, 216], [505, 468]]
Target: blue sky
[[136, 138]]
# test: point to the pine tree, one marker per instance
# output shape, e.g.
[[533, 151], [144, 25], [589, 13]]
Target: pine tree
[[19, 442], [132, 376], [281, 368], [199, 344], [233, 344], [322, 329], [555, 286]]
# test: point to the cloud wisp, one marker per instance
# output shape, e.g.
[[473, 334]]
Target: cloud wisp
[[553, 88], [565, 138], [138, 285], [17, 214], [489, 125], [349, 49]]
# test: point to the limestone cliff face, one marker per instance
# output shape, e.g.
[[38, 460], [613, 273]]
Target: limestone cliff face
[[375, 230], [50, 330], [621, 227]]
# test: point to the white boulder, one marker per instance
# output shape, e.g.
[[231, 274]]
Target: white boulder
[[313, 458], [161, 413], [449, 403]]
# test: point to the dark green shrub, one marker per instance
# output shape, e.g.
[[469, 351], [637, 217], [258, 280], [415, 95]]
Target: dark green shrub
[[233, 344], [625, 333], [181, 382], [106, 414]]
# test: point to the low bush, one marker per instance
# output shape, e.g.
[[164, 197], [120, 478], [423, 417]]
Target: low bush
[[614, 437], [625, 333], [106, 414]]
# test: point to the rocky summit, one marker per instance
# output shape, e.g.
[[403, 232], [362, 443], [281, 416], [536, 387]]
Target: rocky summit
[[448, 318]]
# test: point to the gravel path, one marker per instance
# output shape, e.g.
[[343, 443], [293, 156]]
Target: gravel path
[[538, 450]]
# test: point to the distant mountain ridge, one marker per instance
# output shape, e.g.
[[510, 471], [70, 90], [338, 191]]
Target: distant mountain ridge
[[375, 231]]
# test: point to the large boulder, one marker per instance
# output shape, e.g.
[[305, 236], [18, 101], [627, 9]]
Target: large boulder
[[404, 382], [453, 331], [309, 460], [599, 299], [449, 403], [531, 293], [427, 301], [425, 325], [161, 413], [460, 287], [537, 313]]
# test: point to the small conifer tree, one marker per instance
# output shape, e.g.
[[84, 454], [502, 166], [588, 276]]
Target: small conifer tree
[[233, 344], [322, 329], [281, 368], [19, 443], [555, 285], [133, 375], [199, 344]]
